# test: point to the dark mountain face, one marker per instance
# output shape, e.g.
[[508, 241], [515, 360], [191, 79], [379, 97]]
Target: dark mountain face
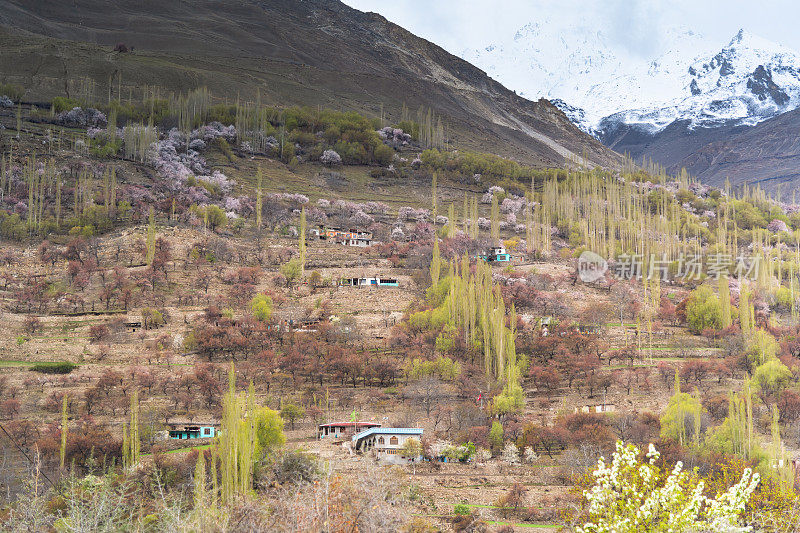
[[767, 154], [310, 52]]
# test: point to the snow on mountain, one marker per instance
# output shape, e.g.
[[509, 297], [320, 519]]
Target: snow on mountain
[[599, 86], [748, 81], [584, 72]]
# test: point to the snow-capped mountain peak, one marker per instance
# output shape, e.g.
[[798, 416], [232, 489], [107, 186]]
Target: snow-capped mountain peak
[[749, 80], [598, 85]]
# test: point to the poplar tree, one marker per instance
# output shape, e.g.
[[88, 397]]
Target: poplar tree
[[200, 496], [433, 199], [451, 221], [259, 196], [237, 441], [436, 262], [64, 429], [495, 220], [302, 241], [151, 237], [725, 300], [131, 444]]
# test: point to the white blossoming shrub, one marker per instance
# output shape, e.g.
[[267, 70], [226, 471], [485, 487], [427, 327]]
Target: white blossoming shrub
[[219, 180], [330, 157], [214, 130], [483, 455], [398, 234], [379, 208], [410, 213], [197, 144], [629, 496], [512, 204], [406, 213], [777, 225], [361, 219], [530, 455], [510, 453], [79, 117], [394, 137], [5, 101]]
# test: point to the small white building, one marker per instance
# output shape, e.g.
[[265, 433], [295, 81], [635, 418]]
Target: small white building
[[361, 242], [596, 408], [386, 443], [337, 430]]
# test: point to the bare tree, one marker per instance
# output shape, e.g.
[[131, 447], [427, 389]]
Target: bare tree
[[427, 393]]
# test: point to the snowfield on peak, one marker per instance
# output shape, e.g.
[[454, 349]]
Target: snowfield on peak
[[601, 88]]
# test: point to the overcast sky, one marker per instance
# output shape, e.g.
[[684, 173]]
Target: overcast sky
[[634, 25]]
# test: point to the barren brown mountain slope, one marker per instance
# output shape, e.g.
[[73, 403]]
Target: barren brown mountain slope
[[317, 52]]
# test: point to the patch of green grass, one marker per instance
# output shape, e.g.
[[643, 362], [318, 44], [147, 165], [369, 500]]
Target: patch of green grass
[[9, 363], [55, 367]]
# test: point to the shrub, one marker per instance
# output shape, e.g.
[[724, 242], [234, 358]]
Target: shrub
[[703, 310], [461, 509], [61, 367], [383, 154], [772, 377], [98, 332], [32, 325], [14, 92], [330, 157], [261, 307], [295, 466], [62, 103], [292, 269], [269, 430], [644, 497], [215, 217], [292, 412]]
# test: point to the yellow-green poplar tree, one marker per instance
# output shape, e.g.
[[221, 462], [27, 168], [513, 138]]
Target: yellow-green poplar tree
[[302, 241], [64, 429]]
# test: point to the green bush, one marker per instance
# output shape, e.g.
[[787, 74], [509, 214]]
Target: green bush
[[60, 367], [215, 217], [383, 154], [703, 311], [62, 103], [261, 307], [225, 114], [772, 377], [15, 92], [12, 226], [292, 269], [104, 149], [461, 509]]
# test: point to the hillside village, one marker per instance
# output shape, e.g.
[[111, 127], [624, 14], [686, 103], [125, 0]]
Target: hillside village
[[223, 315]]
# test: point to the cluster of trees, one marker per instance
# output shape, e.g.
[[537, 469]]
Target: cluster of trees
[[288, 132]]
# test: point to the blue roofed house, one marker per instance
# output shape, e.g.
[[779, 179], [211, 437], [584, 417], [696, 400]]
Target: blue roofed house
[[385, 443], [181, 431]]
